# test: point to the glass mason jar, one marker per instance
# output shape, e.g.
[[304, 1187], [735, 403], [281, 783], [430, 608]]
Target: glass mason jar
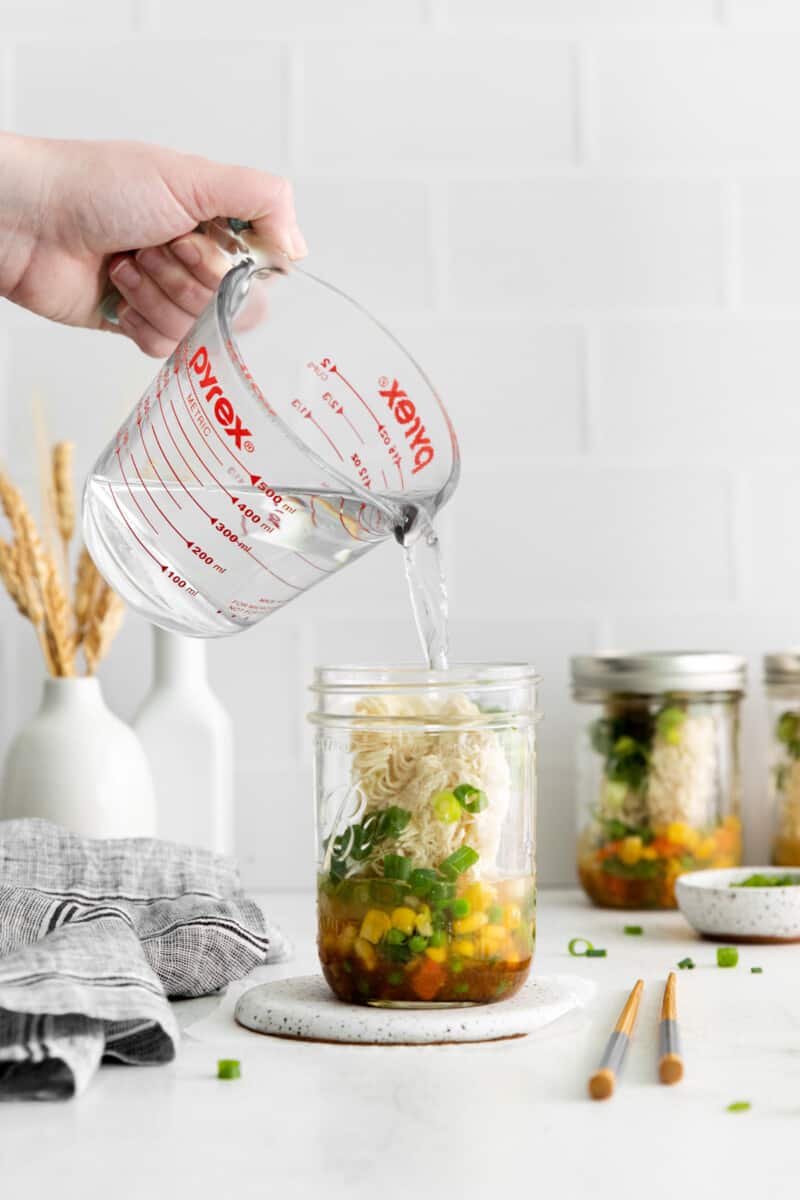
[[658, 772], [782, 679], [425, 791]]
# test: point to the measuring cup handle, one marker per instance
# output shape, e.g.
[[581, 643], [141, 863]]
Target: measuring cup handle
[[225, 232]]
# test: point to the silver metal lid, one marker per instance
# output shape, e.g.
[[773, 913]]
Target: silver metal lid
[[660, 671], [782, 668]]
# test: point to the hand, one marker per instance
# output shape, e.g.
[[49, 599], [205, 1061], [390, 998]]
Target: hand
[[74, 214]]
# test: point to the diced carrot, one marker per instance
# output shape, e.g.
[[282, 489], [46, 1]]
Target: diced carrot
[[428, 979]]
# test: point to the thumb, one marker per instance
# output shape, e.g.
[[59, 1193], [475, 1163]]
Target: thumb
[[266, 201]]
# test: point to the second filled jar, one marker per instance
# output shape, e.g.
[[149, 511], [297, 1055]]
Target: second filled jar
[[658, 771]]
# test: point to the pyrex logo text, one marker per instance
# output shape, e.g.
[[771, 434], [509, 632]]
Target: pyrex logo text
[[224, 412], [406, 414]]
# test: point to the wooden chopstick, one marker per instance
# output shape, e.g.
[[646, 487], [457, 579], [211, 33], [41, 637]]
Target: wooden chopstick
[[670, 1061], [601, 1084]]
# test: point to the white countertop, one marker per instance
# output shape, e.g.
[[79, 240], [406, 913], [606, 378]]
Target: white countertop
[[381, 1123]]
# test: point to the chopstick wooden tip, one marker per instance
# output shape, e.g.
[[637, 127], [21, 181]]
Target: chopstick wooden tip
[[601, 1084], [670, 1069]]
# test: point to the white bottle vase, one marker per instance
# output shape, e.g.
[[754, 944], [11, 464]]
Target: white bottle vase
[[188, 738], [77, 764]]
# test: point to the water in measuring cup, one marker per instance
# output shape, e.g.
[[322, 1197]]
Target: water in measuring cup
[[272, 552]]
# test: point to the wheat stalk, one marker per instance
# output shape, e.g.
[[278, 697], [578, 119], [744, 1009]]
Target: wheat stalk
[[63, 492], [88, 582], [59, 621], [103, 625]]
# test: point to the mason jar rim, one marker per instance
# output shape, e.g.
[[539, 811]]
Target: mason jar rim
[[782, 667], [653, 672], [405, 677]]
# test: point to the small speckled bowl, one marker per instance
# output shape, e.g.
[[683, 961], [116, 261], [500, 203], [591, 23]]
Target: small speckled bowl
[[740, 914]]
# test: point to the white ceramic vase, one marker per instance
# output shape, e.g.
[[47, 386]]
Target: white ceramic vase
[[77, 764], [188, 738]]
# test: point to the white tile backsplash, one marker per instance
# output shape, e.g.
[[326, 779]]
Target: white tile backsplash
[[581, 217]]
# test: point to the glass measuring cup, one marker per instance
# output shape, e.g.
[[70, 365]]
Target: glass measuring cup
[[287, 434]]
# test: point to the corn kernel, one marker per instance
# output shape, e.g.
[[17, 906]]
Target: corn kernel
[[365, 953], [678, 833], [513, 958], [512, 917], [423, 921], [436, 954], [404, 919], [495, 933], [480, 896], [375, 925], [345, 940], [649, 854], [706, 848], [630, 850], [463, 947], [469, 924], [487, 947]]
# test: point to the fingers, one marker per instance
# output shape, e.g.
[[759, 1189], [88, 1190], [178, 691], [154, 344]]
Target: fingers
[[264, 200], [146, 337]]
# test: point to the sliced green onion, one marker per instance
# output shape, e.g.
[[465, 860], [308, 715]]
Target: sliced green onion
[[460, 907], [395, 937], [686, 964], [417, 943], [229, 1068], [442, 891], [633, 930], [592, 953], [727, 956], [471, 798], [669, 724], [446, 807], [396, 866], [384, 891], [579, 941], [422, 880], [756, 970], [739, 1106], [458, 862]]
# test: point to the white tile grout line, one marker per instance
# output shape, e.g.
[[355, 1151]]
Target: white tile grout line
[[146, 16]]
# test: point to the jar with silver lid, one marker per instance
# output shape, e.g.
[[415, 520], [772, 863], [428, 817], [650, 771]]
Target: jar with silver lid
[[658, 771], [782, 680]]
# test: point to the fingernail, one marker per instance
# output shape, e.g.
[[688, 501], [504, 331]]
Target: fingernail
[[126, 274], [150, 259], [186, 252]]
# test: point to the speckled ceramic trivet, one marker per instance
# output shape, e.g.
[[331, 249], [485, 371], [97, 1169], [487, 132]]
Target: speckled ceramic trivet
[[305, 1008]]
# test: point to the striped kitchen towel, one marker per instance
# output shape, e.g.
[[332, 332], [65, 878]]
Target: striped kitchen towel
[[95, 936]]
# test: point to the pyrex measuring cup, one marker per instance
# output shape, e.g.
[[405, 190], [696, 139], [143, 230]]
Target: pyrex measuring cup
[[287, 434]]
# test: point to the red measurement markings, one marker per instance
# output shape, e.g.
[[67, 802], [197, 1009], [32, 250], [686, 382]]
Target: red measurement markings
[[195, 477], [314, 421], [195, 452], [270, 571], [213, 453], [335, 371], [385, 480], [352, 426], [155, 468], [163, 566], [153, 500], [193, 498], [133, 498], [216, 432]]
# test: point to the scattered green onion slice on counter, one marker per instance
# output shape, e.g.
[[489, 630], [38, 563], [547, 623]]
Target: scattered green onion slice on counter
[[592, 953], [446, 807], [727, 956], [739, 1106], [756, 970], [472, 799], [687, 964], [458, 862], [579, 941], [633, 930], [229, 1068]]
